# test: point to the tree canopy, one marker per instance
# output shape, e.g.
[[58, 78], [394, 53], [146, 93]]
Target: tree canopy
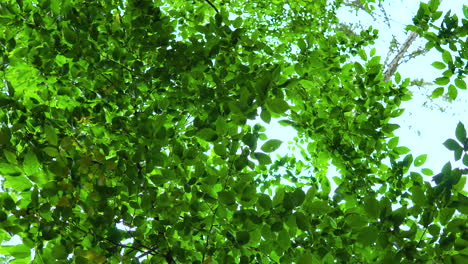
[[131, 132]]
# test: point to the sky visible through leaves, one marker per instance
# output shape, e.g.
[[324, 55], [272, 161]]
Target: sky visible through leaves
[[233, 131], [426, 122]]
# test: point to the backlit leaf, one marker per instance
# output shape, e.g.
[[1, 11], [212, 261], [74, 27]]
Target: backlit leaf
[[271, 145], [31, 164], [420, 160], [438, 65]]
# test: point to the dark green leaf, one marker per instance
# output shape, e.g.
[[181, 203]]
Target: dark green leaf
[[372, 207], [418, 196], [306, 258], [302, 221], [262, 158], [460, 132], [265, 115], [242, 237], [452, 145], [227, 197], [264, 201], [207, 134], [3, 216]]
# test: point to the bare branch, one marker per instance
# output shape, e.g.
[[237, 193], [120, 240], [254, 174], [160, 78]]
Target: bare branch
[[394, 64]]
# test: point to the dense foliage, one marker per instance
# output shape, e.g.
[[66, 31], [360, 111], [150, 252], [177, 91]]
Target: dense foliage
[[131, 132]]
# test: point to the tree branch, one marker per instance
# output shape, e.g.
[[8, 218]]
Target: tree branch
[[212, 5], [394, 64]]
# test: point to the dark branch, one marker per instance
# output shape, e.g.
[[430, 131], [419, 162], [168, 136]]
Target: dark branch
[[213, 6]]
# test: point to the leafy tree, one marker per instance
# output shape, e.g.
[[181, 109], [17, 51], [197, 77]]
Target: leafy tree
[[130, 133]]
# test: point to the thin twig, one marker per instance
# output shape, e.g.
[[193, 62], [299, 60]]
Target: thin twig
[[213, 6]]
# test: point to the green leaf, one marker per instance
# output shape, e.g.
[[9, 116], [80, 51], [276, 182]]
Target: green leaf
[[51, 151], [59, 252], [438, 65], [278, 106], [427, 172], [298, 196], [284, 239], [51, 136], [30, 164], [437, 92], [227, 197], [319, 207], [8, 169], [242, 237], [442, 80], [16, 251], [372, 207], [434, 230], [397, 77], [460, 83], [3, 216], [265, 116], [307, 84], [262, 158], [465, 159], [302, 221], [445, 215], [389, 128], [420, 160], [362, 54], [460, 132], [264, 201], [8, 203], [434, 5], [10, 156], [452, 144], [393, 142], [368, 235], [402, 150], [306, 258], [452, 92], [447, 57], [418, 196], [207, 134], [17, 183], [356, 221], [271, 145]]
